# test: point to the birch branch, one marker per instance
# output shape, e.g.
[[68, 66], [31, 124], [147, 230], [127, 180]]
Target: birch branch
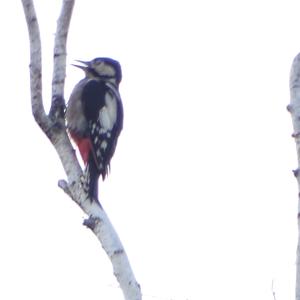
[[60, 45], [294, 109], [53, 126], [35, 66]]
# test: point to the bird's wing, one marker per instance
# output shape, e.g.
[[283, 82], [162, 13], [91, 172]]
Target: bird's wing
[[102, 106]]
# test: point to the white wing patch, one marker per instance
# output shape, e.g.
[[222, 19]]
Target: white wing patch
[[108, 113], [103, 145]]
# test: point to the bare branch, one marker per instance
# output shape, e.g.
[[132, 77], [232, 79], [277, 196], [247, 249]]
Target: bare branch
[[294, 109], [60, 53], [54, 127], [59, 63], [38, 110]]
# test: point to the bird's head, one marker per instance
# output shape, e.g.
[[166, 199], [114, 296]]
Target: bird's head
[[102, 67]]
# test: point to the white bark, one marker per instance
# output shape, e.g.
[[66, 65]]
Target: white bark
[[60, 45], [53, 126], [35, 65], [294, 109]]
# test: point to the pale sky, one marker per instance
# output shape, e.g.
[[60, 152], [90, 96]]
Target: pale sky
[[201, 190]]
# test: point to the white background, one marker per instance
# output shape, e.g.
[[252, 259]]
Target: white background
[[201, 190]]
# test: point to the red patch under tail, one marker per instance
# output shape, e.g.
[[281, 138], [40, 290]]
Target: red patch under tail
[[84, 145]]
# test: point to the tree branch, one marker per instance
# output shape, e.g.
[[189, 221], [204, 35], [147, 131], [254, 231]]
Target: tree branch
[[60, 44], [294, 109], [53, 126], [35, 66], [59, 62]]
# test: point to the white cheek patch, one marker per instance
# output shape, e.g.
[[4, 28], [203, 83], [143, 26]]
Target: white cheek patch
[[108, 70], [105, 70]]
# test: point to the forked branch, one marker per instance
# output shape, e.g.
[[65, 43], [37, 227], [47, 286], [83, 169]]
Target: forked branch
[[53, 125]]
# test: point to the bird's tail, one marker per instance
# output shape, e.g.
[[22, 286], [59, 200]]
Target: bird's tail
[[90, 180]]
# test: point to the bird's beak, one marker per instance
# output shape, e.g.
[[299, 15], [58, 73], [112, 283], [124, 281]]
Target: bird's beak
[[85, 67]]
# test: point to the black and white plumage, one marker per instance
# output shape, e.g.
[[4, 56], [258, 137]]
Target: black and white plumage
[[95, 118]]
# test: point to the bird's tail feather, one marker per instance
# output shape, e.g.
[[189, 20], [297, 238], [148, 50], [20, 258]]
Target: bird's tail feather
[[90, 180]]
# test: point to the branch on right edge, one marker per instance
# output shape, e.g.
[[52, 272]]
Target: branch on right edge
[[294, 109]]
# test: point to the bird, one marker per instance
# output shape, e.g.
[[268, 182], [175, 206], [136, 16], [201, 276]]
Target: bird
[[94, 118]]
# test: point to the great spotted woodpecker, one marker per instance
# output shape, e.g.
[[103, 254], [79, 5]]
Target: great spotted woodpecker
[[95, 118]]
